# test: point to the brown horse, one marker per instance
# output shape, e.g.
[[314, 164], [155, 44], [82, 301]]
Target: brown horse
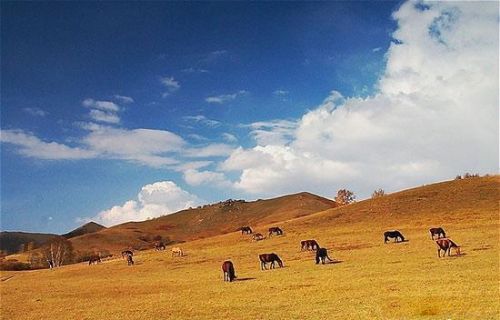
[[258, 236], [275, 230], [246, 230], [94, 260], [446, 244], [322, 254], [437, 231], [176, 251], [398, 236], [228, 271], [309, 245], [269, 258]]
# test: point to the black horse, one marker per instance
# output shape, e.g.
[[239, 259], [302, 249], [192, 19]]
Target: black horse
[[308, 245], [393, 234], [269, 258], [322, 254], [94, 260], [228, 271], [275, 230], [246, 230], [126, 253], [437, 231]]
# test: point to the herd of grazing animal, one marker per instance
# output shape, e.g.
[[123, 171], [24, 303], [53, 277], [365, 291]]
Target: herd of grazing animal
[[444, 244]]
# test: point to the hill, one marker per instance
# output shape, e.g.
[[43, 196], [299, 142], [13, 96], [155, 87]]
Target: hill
[[90, 227], [13, 242], [204, 221], [369, 279]]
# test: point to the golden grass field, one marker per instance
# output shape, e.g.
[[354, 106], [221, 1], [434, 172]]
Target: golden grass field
[[371, 280]]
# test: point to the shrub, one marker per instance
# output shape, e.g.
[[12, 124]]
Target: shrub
[[344, 197], [378, 193]]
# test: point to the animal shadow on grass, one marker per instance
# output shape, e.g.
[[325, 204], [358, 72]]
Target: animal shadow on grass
[[334, 261], [244, 279]]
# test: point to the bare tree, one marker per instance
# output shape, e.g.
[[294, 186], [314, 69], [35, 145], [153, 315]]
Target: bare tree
[[59, 251], [378, 193], [344, 197]]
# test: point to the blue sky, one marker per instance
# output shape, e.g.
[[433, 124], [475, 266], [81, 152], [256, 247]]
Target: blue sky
[[213, 84]]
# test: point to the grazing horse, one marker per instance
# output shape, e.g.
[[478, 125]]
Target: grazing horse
[[308, 245], [246, 230], [393, 234], [446, 244], [437, 231], [258, 237], [322, 254], [228, 270], [127, 253], [130, 261], [94, 260], [176, 251], [275, 230], [269, 257], [159, 246]]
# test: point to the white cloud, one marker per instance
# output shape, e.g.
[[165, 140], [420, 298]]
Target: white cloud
[[195, 178], [37, 112], [273, 132], [103, 116], [223, 98], [435, 114], [203, 120], [123, 99], [211, 150], [101, 105], [170, 84], [102, 111], [154, 200], [228, 137], [31, 146], [144, 146], [280, 93]]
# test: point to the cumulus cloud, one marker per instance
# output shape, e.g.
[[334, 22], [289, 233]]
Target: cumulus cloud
[[223, 98], [434, 114], [272, 132], [195, 178], [154, 200]]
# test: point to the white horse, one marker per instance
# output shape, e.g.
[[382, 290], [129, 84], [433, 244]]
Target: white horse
[[176, 251]]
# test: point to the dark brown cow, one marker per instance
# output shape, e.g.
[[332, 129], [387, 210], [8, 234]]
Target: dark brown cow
[[275, 230], [94, 260], [269, 258], [446, 244], [228, 271], [437, 231], [309, 245], [246, 230], [322, 254], [398, 236]]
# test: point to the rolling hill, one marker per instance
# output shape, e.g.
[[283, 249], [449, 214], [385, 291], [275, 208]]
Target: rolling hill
[[14, 242], [369, 279], [202, 222], [87, 228]]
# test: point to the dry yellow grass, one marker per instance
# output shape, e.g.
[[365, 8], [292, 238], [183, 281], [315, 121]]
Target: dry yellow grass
[[373, 280]]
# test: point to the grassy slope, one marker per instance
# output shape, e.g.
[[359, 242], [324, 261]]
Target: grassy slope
[[204, 222], [372, 281]]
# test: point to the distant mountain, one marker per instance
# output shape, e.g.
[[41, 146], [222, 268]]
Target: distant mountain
[[14, 242], [202, 222], [90, 227]]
